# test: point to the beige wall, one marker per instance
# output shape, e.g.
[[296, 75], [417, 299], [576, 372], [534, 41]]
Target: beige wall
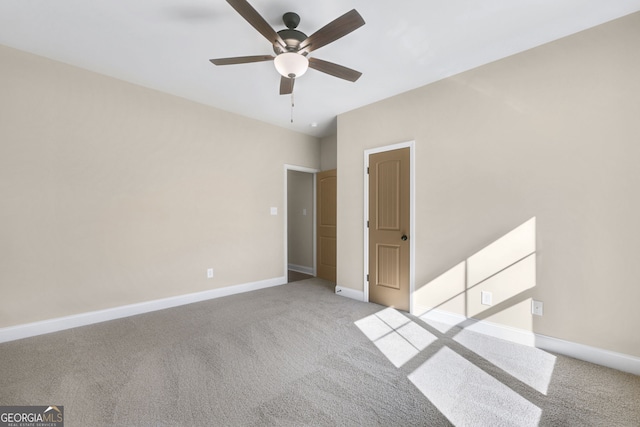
[[329, 152], [551, 133], [300, 218], [114, 194]]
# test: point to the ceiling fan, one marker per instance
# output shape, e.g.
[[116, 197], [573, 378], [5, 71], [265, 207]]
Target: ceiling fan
[[292, 47]]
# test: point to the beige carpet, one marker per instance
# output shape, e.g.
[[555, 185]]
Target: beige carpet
[[297, 355]]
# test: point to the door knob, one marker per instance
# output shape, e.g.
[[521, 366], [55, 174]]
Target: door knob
[[404, 237]]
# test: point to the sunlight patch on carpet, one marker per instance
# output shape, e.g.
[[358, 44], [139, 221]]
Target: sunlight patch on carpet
[[467, 395], [397, 337], [530, 365]]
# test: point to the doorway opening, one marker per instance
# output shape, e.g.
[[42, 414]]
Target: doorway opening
[[299, 222]]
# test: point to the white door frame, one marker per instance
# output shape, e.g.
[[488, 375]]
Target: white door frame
[[286, 214], [412, 216]]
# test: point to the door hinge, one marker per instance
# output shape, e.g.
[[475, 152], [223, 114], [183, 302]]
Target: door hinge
[[367, 170], [367, 224], [367, 277]]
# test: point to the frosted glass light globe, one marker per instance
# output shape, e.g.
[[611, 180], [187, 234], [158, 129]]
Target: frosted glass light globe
[[291, 64]]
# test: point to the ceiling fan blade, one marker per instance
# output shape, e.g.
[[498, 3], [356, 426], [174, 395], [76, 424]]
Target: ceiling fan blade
[[334, 69], [286, 85], [256, 20], [331, 32], [241, 59]]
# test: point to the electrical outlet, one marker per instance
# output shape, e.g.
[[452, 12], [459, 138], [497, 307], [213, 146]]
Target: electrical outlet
[[537, 307], [486, 298], [209, 273]]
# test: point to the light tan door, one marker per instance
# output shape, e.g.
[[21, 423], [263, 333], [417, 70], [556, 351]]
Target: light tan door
[[389, 233], [326, 205]]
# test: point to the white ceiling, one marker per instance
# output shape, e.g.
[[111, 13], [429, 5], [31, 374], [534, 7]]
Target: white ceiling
[[166, 44]]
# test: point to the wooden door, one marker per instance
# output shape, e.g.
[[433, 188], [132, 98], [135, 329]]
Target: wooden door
[[326, 191], [389, 234]]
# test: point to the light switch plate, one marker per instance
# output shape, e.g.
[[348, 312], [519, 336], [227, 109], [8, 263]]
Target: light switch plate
[[274, 211]]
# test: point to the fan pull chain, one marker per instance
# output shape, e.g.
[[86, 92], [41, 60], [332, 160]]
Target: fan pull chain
[[292, 104]]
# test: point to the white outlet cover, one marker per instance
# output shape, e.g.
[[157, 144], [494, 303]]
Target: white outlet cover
[[486, 298], [537, 307], [209, 273]]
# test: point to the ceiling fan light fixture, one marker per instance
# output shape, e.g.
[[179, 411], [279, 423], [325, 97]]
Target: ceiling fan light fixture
[[291, 64]]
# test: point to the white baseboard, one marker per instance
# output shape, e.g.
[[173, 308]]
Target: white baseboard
[[350, 293], [301, 269], [610, 359], [516, 335], [17, 332]]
